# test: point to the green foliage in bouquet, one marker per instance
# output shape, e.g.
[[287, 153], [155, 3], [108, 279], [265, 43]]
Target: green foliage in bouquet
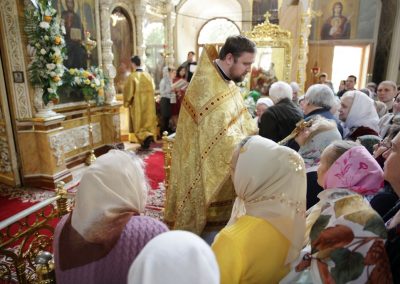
[[46, 47]]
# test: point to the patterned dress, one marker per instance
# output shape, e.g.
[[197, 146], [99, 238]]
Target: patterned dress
[[347, 243]]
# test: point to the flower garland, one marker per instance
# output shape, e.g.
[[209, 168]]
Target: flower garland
[[90, 81], [46, 47]]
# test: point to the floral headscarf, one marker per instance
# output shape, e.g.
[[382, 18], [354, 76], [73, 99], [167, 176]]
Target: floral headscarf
[[356, 170]]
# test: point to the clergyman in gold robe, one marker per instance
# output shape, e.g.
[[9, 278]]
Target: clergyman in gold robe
[[139, 98], [212, 121]]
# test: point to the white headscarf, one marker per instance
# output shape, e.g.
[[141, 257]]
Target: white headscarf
[[175, 257], [362, 113], [113, 188], [270, 183], [266, 101]]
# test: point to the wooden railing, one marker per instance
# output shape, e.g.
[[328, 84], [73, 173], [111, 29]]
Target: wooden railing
[[26, 241]]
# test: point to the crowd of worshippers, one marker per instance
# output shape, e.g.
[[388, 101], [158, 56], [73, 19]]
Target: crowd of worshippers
[[340, 161]]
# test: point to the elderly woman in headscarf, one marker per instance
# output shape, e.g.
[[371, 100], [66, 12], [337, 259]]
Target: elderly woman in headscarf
[[359, 116], [98, 241], [175, 257], [167, 97], [313, 140], [347, 236], [267, 225], [261, 106]]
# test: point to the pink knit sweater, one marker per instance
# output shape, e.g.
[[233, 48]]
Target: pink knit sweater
[[114, 267]]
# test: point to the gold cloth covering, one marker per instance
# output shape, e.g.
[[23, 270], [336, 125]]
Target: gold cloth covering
[[139, 97], [212, 121]]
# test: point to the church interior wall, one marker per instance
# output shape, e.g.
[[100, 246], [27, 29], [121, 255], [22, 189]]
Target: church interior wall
[[365, 20], [322, 56], [368, 16], [384, 39]]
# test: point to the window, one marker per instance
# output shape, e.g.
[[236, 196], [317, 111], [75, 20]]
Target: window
[[350, 60]]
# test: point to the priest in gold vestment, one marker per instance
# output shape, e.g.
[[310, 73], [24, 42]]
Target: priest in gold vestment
[[212, 122], [139, 98]]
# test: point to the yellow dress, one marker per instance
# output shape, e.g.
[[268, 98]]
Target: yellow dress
[[251, 251], [139, 97], [212, 121]]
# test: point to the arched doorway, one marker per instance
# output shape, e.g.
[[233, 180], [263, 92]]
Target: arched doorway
[[122, 48], [192, 15], [215, 31]]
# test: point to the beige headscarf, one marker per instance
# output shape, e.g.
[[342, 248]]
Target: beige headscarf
[[112, 189], [270, 183]]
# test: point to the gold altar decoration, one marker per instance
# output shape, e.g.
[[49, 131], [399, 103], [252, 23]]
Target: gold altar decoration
[[271, 36], [91, 156], [89, 45], [26, 242]]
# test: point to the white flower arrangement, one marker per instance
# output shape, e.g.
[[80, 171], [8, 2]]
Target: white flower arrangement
[[90, 81], [46, 47]]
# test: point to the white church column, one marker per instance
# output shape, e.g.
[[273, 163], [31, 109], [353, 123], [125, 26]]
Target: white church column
[[394, 56], [305, 24], [169, 28], [106, 46], [140, 12]]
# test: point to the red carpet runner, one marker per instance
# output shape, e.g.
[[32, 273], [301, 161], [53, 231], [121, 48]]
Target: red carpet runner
[[14, 200], [156, 175]]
